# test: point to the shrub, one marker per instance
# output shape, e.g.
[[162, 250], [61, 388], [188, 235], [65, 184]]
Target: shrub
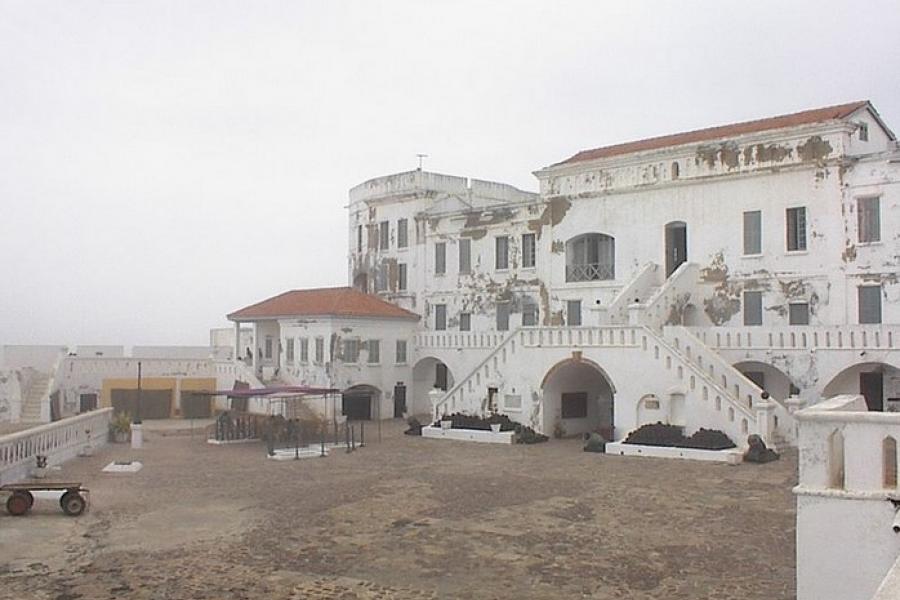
[[660, 434]]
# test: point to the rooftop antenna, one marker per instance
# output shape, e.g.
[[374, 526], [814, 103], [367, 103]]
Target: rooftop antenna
[[420, 157]]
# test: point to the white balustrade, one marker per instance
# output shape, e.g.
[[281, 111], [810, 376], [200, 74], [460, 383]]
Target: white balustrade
[[58, 441]]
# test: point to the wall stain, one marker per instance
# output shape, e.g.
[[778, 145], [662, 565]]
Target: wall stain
[[814, 149]]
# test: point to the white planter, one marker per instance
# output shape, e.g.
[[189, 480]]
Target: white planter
[[446, 425], [86, 450], [495, 427], [39, 472]]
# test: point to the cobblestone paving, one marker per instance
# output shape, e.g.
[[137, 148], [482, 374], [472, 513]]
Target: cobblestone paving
[[408, 518]]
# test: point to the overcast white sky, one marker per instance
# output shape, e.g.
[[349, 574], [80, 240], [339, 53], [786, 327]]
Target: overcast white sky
[[164, 163]]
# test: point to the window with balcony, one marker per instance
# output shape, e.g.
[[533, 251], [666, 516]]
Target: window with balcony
[[465, 321], [591, 257], [798, 313], [753, 309], [573, 313], [503, 317], [440, 317], [869, 304], [401, 277], [529, 314]]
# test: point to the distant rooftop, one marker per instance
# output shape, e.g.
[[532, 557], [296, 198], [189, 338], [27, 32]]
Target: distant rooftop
[[806, 117], [336, 302]]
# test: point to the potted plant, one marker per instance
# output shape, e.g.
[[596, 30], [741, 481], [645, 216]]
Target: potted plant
[[40, 471], [496, 422], [446, 422], [120, 427]]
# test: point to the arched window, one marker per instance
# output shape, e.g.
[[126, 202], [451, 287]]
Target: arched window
[[889, 462], [676, 170], [591, 257], [836, 460]]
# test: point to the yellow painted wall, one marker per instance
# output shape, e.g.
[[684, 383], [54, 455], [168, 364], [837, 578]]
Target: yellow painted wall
[[188, 384]]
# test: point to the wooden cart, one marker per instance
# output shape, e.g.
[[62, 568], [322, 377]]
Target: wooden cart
[[21, 499]]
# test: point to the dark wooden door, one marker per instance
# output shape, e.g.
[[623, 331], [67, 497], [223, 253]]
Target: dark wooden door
[[155, 404], [871, 386], [195, 406], [399, 401], [357, 407]]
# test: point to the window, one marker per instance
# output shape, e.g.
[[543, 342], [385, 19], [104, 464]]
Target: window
[[374, 352], [351, 350], [798, 313], [384, 235], [863, 132], [869, 304], [528, 250], [320, 350], [591, 257], [676, 170], [889, 462], [268, 346], [440, 258], [573, 313], [304, 350], [503, 317], [401, 276], [752, 308], [529, 314], [359, 238], [753, 232], [290, 350], [869, 219], [465, 255], [400, 358], [512, 402], [501, 254], [465, 321], [402, 233], [574, 405], [440, 317], [796, 228]]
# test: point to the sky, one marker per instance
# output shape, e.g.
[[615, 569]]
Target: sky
[[165, 163]]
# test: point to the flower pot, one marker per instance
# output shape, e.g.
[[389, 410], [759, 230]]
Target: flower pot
[[446, 424], [87, 450], [39, 472], [120, 437], [495, 427]]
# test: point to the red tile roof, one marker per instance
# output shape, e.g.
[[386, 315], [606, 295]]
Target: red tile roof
[[806, 117], [336, 302]]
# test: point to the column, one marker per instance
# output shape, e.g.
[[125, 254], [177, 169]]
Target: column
[[237, 341]]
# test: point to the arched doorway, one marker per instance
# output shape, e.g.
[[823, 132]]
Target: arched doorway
[[769, 378], [875, 381], [676, 245], [578, 398], [428, 373], [361, 403]]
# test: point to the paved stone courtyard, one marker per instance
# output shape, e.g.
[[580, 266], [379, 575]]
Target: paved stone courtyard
[[407, 518]]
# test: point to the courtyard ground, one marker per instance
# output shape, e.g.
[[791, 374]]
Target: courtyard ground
[[407, 518]]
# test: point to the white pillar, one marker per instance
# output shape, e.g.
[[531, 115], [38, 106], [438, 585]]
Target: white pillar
[[237, 341]]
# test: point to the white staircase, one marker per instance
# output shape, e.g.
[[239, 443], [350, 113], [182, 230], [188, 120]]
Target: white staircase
[[35, 397]]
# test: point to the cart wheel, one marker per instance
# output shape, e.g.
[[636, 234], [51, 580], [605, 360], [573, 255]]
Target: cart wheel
[[18, 504], [29, 496], [72, 503]]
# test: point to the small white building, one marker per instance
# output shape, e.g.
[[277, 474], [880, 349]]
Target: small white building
[[336, 338]]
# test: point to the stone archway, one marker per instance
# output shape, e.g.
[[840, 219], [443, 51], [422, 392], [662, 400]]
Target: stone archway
[[878, 382], [361, 403], [769, 378], [578, 398], [428, 373]]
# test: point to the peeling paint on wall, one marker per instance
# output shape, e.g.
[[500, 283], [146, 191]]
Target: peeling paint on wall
[[814, 149]]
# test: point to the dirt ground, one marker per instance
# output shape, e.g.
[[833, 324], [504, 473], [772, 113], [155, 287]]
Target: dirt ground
[[407, 518]]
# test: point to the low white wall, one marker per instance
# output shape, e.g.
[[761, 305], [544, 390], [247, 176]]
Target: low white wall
[[58, 441], [10, 397]]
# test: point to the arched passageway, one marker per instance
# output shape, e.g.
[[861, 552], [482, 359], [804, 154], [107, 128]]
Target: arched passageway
[[428, 373], [578, 398], [361, 403], [876, 381], [769, 378]]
